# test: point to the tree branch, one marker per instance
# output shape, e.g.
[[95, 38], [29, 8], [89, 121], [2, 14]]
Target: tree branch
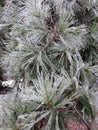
[[80, 116], [64, 110], [51, 38], [72, 106], [53, 33]]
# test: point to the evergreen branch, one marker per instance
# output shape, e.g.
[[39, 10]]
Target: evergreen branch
[[53, 34]]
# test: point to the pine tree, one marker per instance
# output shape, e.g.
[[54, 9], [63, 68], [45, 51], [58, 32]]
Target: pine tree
[[52, 49]]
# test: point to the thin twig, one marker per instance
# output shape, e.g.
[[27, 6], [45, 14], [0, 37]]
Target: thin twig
[[51, 38], [80, 116], [72, 106], [64, 110], [53, 33]]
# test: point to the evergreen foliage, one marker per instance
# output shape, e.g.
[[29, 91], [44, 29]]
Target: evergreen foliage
[[51, 47]]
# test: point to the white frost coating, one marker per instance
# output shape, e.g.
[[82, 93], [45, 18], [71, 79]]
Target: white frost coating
[[96, 12], [27, 94], [94, 1], [8, 83]]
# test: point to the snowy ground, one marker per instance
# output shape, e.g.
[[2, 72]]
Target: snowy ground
[[8, 83]]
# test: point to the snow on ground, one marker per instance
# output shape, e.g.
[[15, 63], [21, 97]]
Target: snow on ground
[[8, 83]]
